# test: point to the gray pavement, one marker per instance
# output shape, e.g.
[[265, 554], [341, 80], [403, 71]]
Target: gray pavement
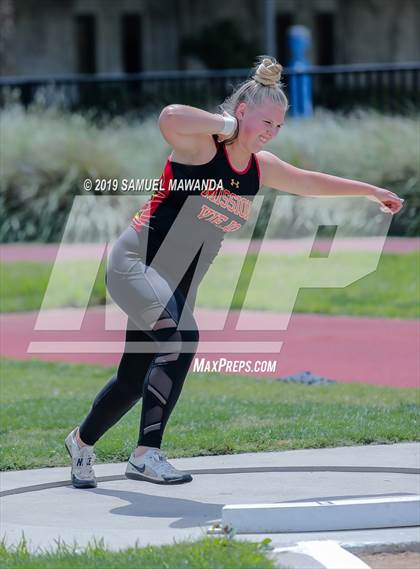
[[42, 503]]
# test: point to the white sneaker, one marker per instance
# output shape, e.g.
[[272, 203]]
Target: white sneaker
[[153, 466], [82, 473]]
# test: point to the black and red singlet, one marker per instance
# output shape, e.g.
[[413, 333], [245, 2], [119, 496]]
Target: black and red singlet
[[222, 201]]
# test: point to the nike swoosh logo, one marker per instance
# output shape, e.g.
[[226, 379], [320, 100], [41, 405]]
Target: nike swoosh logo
[[139, 468]]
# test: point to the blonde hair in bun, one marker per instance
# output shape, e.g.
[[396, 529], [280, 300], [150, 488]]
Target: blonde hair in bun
[[263, 85], [268, 72]]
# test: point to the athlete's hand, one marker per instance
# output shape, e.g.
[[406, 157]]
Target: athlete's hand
[[390, 202]]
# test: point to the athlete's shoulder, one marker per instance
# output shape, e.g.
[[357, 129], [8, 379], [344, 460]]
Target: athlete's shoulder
[[267, 161], [264, 156]]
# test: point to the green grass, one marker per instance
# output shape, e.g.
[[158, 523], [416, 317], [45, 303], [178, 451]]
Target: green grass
[[42, 401], [24, 285], [206, 553], [390, 290]]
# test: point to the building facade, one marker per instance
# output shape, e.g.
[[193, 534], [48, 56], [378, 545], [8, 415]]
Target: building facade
[[56, 37]]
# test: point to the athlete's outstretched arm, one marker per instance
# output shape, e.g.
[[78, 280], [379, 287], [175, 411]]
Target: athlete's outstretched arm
[[280, 175]]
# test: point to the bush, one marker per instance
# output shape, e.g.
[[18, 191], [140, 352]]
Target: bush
[[378, 149], [46, 155], [48, 152]]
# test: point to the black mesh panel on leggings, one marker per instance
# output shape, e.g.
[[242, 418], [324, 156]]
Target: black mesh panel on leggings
[[164, 381]]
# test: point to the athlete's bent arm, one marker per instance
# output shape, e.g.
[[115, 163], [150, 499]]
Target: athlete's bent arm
[[280, 175], [189, 120], [185, 127]]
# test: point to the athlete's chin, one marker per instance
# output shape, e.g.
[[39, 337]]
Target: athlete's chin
[[254, 145], [258, 145]]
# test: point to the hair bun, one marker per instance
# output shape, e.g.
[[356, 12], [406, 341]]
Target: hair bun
[[268, 72]]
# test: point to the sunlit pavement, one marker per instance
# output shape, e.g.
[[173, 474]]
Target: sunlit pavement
[[42, 503]]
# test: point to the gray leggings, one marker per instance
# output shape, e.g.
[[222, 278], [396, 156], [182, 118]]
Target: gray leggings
[[154, 307]]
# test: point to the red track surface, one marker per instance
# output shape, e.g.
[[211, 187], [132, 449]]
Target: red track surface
[[347, 349], [41, 252]]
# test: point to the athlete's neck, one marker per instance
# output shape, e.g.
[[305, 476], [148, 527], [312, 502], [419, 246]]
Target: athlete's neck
[[238, 155]]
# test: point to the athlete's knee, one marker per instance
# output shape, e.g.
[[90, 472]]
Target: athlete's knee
[[168, 337], [173, 339], [164, 322]]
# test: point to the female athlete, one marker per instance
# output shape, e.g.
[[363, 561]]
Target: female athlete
[[217, 165]]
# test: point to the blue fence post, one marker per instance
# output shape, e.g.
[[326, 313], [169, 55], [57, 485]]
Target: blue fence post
[[300, 85]]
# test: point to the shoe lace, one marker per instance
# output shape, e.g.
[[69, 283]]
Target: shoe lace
[[162, 463]]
